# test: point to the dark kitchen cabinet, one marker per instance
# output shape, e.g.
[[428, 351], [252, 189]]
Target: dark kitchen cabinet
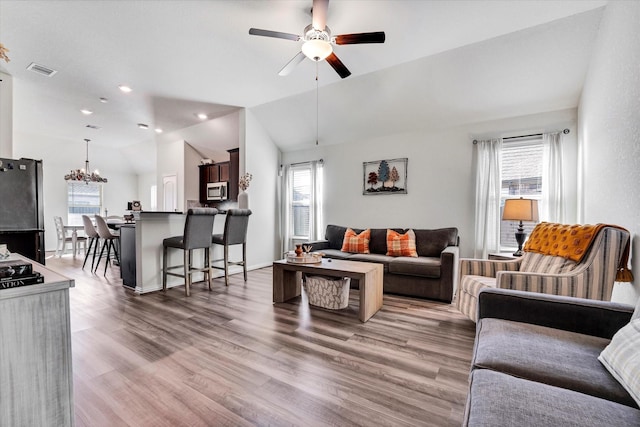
[[234, 173], [210, 173], [221, 172]]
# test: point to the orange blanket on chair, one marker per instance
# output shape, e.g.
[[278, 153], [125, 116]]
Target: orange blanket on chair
[[572, 242]]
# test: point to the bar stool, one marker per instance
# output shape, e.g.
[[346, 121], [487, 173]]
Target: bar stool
[[235, 233], [108, 242], [197, 235], [94, 240]]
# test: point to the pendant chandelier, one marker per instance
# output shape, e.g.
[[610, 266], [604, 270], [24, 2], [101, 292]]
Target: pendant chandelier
[[85, 174]]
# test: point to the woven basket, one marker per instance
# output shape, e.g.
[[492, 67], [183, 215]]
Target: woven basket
[[331, 293]]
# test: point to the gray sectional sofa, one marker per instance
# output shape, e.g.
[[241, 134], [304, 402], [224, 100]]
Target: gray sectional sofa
[[535, 362], [431, 275]]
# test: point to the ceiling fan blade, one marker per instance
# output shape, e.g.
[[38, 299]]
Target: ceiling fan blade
[[275, 34], [319, 12], [358, 38], [337, 65], [286, 70]]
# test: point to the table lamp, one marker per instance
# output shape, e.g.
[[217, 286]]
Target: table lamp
[[520, 210]]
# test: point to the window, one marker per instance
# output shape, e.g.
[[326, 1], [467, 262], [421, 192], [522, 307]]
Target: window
[[521, 173], [83, 199], [300, 200], [302, 214]]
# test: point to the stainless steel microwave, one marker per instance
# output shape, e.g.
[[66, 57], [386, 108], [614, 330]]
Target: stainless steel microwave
[[217, 191]]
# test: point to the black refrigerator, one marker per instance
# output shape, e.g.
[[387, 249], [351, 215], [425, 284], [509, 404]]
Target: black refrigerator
[[21, 207]]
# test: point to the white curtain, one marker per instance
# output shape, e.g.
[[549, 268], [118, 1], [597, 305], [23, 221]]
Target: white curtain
[[316, 230], [285, 208], [553, 205], [316, 225], [488, 183]]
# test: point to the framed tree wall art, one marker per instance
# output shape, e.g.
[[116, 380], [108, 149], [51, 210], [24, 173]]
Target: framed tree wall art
[[385, 177]]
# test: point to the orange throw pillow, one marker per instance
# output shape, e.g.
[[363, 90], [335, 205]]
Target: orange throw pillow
[[401, 244], [356, 243], [563, 240]]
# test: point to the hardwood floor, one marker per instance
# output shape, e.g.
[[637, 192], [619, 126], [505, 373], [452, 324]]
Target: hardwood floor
[[230, 357]]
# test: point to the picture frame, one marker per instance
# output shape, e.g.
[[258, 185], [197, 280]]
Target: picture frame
[[393, 172]]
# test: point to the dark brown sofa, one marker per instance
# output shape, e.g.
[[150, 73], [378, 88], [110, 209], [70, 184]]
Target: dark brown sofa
[[430, 275], [535, 362]]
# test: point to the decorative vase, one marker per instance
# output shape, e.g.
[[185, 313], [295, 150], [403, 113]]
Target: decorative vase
[[298, 250], [243, 200]]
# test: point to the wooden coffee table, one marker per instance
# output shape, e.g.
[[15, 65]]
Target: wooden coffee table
[[287, 281]]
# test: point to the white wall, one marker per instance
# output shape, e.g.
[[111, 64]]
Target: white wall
[[6, 115], [145, 182], [56, 162], [440, 175], [259, 156], [191, 175], [610, 132]]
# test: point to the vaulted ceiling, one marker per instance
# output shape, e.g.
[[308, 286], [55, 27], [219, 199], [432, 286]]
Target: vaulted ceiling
[[443, 63]]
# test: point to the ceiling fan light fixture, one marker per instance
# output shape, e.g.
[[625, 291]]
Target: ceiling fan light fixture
[[317, 49]]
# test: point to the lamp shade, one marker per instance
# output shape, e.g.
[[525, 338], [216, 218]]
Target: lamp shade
[[520, 210], [316, 49]]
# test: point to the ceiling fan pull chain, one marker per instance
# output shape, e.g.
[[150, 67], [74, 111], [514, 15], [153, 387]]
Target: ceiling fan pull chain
[[317, 105]]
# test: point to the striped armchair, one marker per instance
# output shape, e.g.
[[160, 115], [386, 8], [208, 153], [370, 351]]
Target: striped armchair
[[593, 277]]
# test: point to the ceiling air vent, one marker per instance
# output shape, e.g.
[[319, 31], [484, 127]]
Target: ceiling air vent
[[41, 69]]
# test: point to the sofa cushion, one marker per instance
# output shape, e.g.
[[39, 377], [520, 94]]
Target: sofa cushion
[[622, 358], [422, 266], [357, 243], [336, 254], [496, 399], [401, 244], [551, 356], [537, 263], [380, 259], [431, 243], [335, 236], [467, 294]]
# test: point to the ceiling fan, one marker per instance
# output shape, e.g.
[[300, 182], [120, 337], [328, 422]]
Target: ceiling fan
[[317, 41]]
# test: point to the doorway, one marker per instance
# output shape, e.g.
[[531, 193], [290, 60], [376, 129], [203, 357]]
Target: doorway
[[170, 192]]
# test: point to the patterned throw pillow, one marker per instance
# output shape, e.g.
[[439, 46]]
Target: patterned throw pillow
[[401, 244], [356, 243], [622, 358]]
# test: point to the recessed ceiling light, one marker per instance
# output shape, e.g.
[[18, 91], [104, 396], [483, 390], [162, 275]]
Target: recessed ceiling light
[[202, 116], [104, 100], [125, 88], [86, 112], [158, 130], [143, 126]]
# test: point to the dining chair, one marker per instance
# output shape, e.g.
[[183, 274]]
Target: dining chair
[[197, 235], [64, 239], [235, 233], [94, 240], [108, 239]]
